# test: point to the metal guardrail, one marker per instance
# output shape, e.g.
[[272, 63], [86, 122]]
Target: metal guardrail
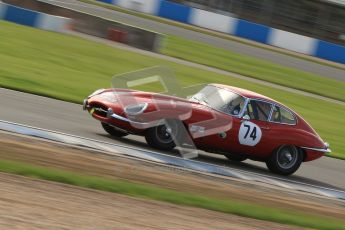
[[318, 19], [95, 25]]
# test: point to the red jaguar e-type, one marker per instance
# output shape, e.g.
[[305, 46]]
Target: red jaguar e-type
[[235, 122]]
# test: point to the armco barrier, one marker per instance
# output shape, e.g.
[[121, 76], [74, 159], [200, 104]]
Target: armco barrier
[[291, 41], [20, 15], [237, 27], [108, 1], [330, 51], [213, 21], [94, 25], [2, 10], [174, 11], [252, 31], [33, 18], [145, 6]]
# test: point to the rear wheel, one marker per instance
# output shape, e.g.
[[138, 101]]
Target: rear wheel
[[113, 131], [236, 157], [285, 160]]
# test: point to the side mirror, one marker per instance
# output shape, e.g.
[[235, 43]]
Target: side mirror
[[246, 117]]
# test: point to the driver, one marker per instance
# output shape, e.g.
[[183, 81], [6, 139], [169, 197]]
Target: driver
[[235, 110]]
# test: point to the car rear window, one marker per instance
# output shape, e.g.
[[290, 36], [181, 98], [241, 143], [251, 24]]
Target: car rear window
[[283, 116]]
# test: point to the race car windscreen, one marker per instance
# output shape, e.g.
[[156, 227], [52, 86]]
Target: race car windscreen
[[220, 99]]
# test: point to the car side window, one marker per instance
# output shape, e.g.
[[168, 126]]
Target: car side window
[[283, 116], [258, 110]]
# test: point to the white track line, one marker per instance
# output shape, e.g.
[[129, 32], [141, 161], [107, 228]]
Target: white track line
[[194, 165]]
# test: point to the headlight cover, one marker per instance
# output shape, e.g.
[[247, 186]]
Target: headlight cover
[[98, 91], [135, 109]]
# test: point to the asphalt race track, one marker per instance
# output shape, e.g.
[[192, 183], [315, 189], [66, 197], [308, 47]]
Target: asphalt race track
[[69, 118], [282, 59]]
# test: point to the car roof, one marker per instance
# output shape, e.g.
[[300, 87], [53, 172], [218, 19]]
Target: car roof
[[252, 95], [247, 93]]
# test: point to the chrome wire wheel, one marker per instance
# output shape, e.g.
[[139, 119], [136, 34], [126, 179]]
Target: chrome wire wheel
[[162, 136], [285, 160], [163, 133], [287, 156]]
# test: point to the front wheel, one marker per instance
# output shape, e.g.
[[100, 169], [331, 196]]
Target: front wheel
[[160, 137], [112, 131], [285, 160]]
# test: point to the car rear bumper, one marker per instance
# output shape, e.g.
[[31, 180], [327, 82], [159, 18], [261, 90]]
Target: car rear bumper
[[322, 150]]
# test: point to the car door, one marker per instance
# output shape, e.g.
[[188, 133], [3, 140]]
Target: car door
[[253, 130]]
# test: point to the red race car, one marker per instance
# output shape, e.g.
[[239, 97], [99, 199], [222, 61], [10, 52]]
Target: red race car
[[235, 122]]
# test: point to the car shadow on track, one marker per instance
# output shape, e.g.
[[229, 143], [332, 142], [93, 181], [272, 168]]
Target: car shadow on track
[[248, 165], [255, 167]]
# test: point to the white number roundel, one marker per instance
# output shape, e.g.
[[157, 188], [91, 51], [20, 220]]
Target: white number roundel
[[249, 134]]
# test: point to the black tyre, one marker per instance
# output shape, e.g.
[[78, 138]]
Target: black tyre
[[161, 137], [113, 131], [236, 157], [285, 160]]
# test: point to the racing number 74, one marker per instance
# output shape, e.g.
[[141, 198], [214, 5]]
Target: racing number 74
[[249, 134], [252, 132]]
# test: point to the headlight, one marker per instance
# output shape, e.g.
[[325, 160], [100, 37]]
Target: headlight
[[136, 109], [96, 92]]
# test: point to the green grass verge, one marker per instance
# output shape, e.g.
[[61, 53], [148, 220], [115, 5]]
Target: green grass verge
[[212, 33], [70, 68], [242, 64], [175, 197], [253, 67]]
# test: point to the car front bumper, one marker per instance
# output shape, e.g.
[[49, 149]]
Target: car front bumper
[[110, 114]]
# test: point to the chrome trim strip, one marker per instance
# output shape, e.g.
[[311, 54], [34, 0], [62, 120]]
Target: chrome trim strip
[[244, 107], [118, 117], [282, 123], [85, 104], [328, 150], [136, 124], [271, 113]]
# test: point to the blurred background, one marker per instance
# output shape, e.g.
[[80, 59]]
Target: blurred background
[[320, 19]]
